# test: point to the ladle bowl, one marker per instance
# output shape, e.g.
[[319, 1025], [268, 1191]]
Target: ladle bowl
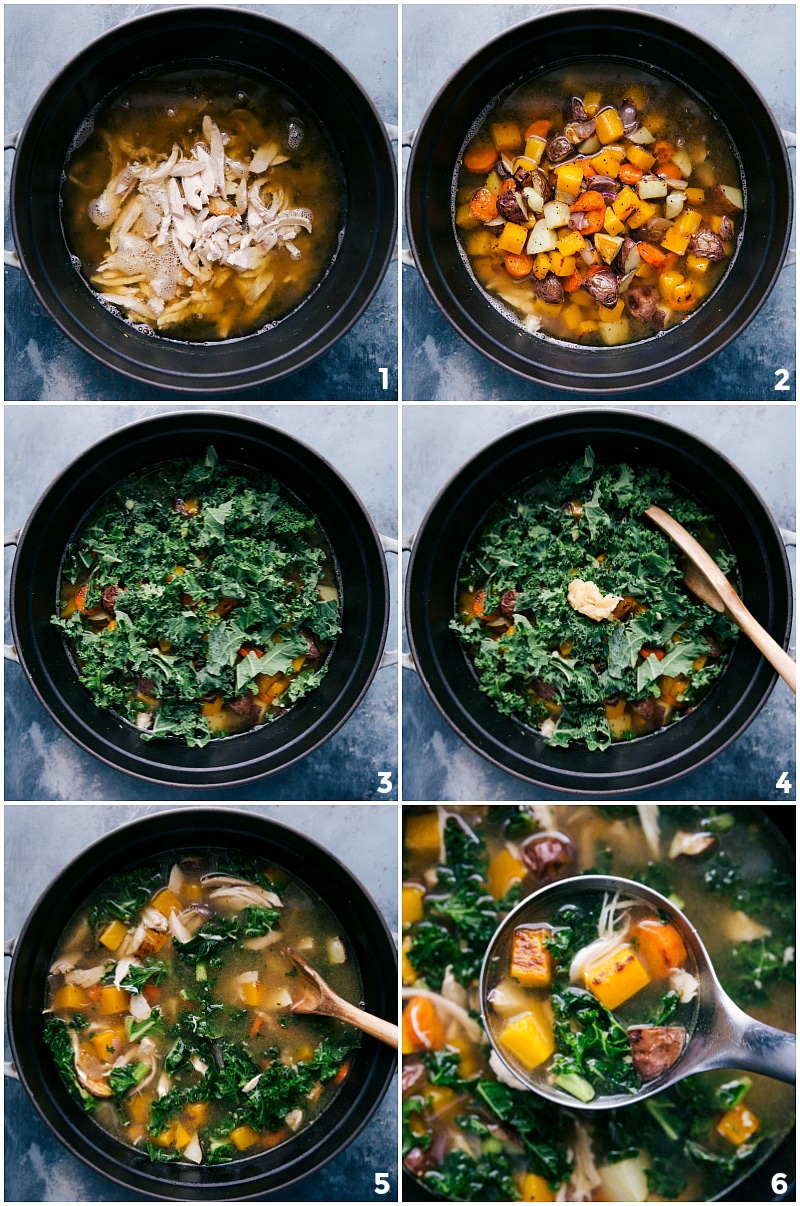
[[719, 1033]]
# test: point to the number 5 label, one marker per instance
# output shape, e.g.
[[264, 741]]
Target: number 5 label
[[382, 1183]]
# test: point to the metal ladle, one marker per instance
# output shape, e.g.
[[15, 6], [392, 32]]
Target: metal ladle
[[719, 1034]]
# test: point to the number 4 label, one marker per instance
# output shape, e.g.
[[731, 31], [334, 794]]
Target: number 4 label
[[783, 784], [382, 1183]]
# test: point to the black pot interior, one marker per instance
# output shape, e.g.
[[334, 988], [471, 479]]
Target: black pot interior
[[618, 35], [232, 760], [175, 37], [449, 528], [370, 1072]]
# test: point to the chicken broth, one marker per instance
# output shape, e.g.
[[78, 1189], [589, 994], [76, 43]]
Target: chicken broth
[[170, 1007], [599, 206], [200, 600], [471, 1131], [203, 204], [573, 611]]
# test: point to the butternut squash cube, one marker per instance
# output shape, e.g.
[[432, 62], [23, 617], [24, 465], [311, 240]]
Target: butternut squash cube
[[534, 1188], [422, 833], [529, 1036], [534, 148], [243, 1137], [569, 178], [640, 158], [112, 935], [107, 1045], [606, 164], [505, 870], [616, 977], [695, 196], [625, 203], [609, 126], [513, 238], [531, 962], [571, 243], [69, 996], [697, 264], [644, 212], [738, 1124], [689, 221], [166, 901], [113, 999], [675, 241], [412, 903], [506, 135], [182, 1136], [612, 224]]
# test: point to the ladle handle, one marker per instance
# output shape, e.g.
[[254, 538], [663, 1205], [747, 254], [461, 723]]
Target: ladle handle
[[387, 1032], [750, 1046]]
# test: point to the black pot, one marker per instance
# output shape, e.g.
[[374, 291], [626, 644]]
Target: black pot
[[370, 1072], [590, 34], [207, 36], [450, 526], [231, 760]]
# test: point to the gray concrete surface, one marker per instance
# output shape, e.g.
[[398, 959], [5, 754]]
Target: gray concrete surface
[[43, 764], [37, 1167], [40, 362], [438, 364], [437, 441]]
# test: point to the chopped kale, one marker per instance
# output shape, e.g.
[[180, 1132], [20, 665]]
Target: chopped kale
[[590, 1042], [461, 1177], [539, 1126], [587, 521], [56, 1035]]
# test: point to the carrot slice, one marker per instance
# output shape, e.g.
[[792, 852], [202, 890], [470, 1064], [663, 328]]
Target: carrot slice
[[508, 185], [630, 174], [652, 255], [480, 157], [539, 128], [483, 205], [589, 170], [572, 282], [670, 169], [588, 200], [519, 265], [663, 150]]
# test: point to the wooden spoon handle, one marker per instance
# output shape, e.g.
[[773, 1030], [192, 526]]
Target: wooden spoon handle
[[387, 1032], [775, 654]]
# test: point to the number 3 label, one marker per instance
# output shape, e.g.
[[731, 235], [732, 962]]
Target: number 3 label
[[382, 1183], [385, 787]]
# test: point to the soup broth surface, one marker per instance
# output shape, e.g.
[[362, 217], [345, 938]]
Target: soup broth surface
[[598, 204], [170, 1007], [205, 203]]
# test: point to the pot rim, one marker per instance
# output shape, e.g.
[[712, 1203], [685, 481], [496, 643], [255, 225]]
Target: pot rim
[[584, 380], [217, 816], [197, 383], [250, 775], [590, 784]]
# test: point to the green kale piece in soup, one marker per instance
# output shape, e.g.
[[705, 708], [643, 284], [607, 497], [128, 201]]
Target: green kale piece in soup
[[200, 600], [471, 1134], [174, 1028], [573, 610]]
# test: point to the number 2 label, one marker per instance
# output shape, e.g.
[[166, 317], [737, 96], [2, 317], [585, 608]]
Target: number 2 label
[[781, 374]]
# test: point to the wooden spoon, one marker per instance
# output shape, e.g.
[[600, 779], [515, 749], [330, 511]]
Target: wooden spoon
[[704, 578], [319, 997]]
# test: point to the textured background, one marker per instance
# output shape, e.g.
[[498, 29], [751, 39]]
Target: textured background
[[437, 440], [37, 1167], [438, 364], [40, 362], [42, 764]]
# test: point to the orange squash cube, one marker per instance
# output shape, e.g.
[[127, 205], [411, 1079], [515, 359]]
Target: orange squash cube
[[738, 1124], [114, 1000], [166, 901], [69, 996], [243, 1137], [531, 962], [616, 977], [529, 1036], [660, 946], [535, 1189], [112, 935]]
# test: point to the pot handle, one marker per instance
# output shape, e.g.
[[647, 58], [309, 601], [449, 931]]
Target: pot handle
[[790, 138], [8, 1068], [389, 545], [10, 258], [788, 537], [406, 660], [406, 258], [9, 652]]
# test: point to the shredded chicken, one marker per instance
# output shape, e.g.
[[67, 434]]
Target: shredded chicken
[[180, 226]]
